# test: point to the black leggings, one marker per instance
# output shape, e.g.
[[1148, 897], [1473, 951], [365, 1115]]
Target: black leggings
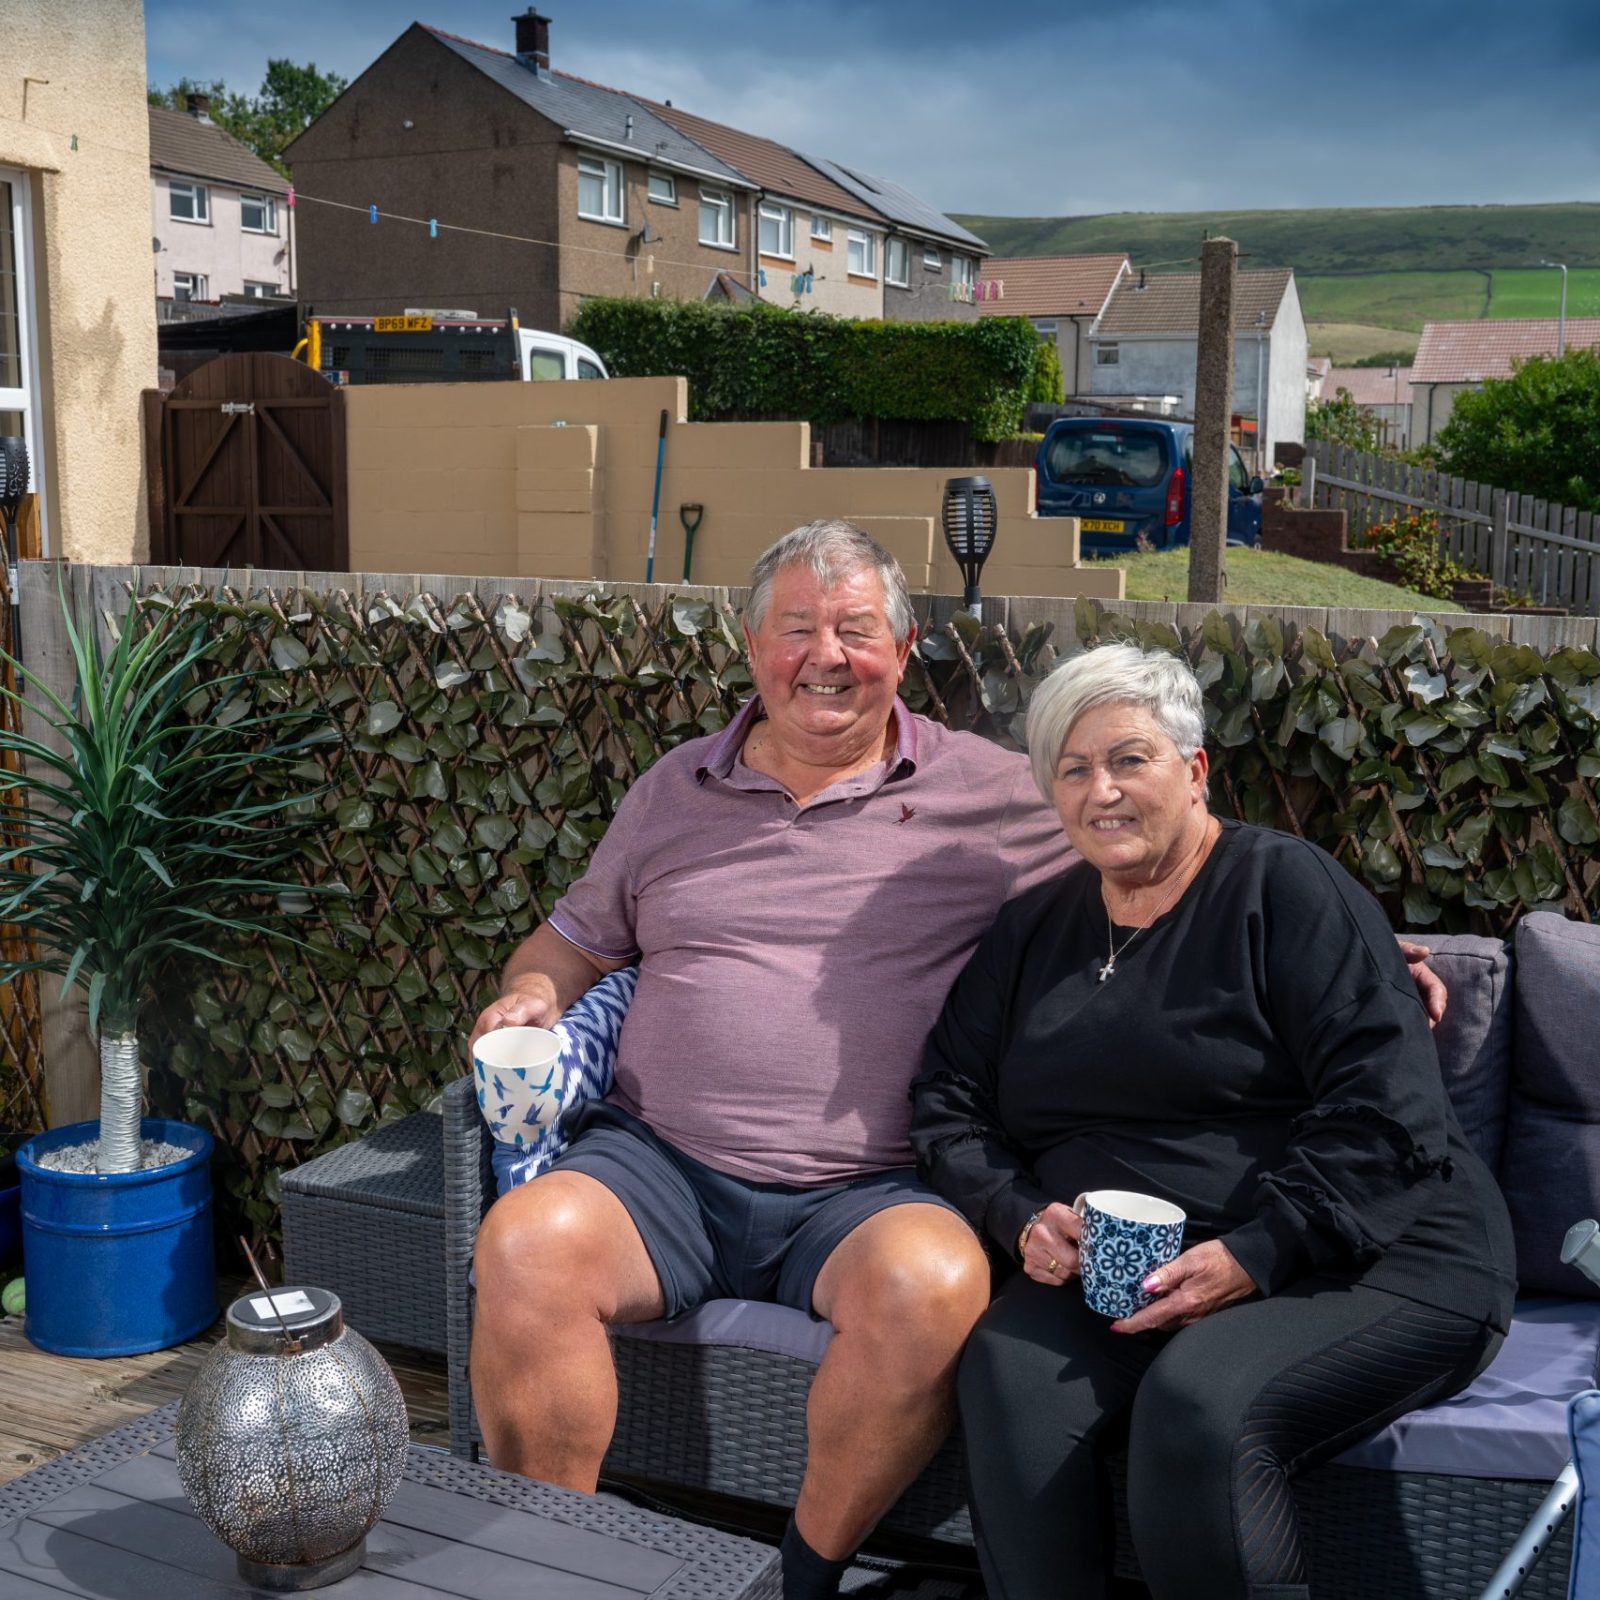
[[1218, 1417]]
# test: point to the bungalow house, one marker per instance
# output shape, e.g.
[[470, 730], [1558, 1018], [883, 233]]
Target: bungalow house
[[1385, 392], [1146, 341], [219, 214], [535, 189], [817, 246], [1455, 356], [77, 318], [1061, 296]]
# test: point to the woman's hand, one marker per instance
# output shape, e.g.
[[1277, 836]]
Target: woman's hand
[[1201, 1280], [1430, 986], [1050, 1255]]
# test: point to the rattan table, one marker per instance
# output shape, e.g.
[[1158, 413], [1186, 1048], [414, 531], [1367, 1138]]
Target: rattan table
[[110, 1520]]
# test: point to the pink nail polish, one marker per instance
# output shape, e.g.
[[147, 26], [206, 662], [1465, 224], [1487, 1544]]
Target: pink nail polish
[[1152, 1284]]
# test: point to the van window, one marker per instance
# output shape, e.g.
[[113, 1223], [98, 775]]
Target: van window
[[1129, 460], [587, 369], [1238, 478], [545, 364]]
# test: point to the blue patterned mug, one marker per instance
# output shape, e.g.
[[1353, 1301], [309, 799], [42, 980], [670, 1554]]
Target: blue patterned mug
[[521, 1082], [1126, 1236]]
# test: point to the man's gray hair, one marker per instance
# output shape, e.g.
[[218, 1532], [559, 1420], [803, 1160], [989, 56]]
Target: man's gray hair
[[833, 550], [1158, 683]]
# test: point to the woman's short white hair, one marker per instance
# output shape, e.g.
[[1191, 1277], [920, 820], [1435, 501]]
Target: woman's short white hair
[[1158, 683], [833, 550]]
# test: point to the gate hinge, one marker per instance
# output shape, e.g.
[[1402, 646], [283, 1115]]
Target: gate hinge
[[238, 408]]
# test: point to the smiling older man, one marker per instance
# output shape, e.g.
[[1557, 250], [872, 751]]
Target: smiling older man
[[800, 891]]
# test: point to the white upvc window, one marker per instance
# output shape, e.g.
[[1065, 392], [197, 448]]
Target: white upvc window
[[599, 189], [962, 270], [821, 229], [777, 230], [189, 286], [189, 202], [932, 261], [662, 187], [897, 263], [716, 218], [20, 415], [1107, 355], [863, 254], [258, 213], [260, 291]]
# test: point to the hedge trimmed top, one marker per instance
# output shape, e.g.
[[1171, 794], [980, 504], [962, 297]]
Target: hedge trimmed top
[[761, 360]]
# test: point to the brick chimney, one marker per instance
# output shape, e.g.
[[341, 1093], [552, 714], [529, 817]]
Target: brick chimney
[[533, 40], [198, 106]]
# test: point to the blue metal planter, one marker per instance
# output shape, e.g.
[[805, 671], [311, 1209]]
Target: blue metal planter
[[118, 1262]]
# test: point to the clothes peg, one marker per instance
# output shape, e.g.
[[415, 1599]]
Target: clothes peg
[[433, 227], [372, 214]]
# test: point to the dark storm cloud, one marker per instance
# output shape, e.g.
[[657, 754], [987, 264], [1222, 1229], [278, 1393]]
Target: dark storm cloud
[[1045, 110]]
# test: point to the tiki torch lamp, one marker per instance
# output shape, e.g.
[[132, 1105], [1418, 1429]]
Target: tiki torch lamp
[[969, 522]]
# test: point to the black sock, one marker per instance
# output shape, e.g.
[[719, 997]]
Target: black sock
[[806, 1575]]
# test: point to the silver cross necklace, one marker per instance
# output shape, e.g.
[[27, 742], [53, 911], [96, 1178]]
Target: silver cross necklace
[[1115, 950]]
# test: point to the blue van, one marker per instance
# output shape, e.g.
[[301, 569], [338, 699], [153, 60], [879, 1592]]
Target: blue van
[[1124, 478]]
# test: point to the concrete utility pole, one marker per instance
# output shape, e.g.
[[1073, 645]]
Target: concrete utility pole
[[1213, 401]]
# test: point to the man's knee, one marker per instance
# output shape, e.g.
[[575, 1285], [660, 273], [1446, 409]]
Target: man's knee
[[920, 1277], [543, 1239]]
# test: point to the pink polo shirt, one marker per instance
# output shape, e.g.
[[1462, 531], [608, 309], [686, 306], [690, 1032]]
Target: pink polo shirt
[[795, 957]]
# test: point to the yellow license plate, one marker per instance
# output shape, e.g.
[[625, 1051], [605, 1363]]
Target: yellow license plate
[[1100, 525], [403, 324]]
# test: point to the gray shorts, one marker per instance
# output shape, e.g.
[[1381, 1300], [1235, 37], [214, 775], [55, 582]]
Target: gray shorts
[[712, 1236]]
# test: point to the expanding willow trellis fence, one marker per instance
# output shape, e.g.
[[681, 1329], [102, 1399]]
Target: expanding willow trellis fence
[[480, 738], [1547, 552]]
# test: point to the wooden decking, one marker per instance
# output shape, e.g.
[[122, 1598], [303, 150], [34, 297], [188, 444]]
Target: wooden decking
[[48, 1403]]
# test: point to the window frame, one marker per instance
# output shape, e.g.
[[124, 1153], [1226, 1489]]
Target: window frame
[[869, 251], [199, 283], [1108, 354], [670, 198], [782, 216], [256, 289], [269, 206], [720, 203], [963, 271], [24, 397], [904, 281], [201, 195], [821, 229], [607, 168], [932, 258]]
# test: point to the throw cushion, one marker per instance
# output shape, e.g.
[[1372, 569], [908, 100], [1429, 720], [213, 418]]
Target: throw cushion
[[589, 1030], [1474, 1040], [1551, 1169]]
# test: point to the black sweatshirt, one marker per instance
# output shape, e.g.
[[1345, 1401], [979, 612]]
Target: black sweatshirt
[[1259, 1057]]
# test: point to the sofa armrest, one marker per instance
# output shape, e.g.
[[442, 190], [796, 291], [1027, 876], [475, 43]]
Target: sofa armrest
[[468, 1192]]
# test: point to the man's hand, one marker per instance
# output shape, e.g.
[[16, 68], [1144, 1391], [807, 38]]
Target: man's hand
[[1201, 1280], [1051, 1254], [533, 1007], [1430, 986]]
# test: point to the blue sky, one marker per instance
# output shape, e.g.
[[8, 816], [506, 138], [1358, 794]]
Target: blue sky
[[1048, 109]]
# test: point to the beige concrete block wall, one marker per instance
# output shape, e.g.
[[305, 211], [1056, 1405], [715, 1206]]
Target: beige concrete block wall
[[73, 120], [556, 480]]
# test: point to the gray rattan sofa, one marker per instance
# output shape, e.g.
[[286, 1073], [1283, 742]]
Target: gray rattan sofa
[[716, 1401]]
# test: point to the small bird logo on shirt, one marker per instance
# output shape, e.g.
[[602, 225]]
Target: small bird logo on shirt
[[906, 813]]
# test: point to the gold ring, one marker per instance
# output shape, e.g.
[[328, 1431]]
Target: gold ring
[[1054, 1266]]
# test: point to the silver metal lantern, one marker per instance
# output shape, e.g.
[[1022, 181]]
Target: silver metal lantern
[[292, 1439]]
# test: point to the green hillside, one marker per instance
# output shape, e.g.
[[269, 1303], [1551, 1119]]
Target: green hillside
[[1398, 239]]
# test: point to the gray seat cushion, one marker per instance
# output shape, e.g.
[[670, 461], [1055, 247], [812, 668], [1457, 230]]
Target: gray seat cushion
[[1474, 1040], [744, 1324], [1511, 1420], [1550, 1171]]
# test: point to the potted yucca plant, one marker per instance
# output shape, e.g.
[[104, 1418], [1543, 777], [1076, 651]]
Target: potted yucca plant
[[150, 841]]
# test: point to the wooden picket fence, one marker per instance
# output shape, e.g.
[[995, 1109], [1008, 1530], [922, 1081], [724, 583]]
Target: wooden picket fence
[[1546, 552]]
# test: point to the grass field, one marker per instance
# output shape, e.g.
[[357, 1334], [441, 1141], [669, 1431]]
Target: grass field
[[1266, 578], [1537, 293], [1314, 242], [1350, 342]]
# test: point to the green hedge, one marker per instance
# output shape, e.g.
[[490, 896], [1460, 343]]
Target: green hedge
[[761, 360]]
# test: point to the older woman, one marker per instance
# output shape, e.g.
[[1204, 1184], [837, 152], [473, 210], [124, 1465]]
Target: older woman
[[1217, 1015]]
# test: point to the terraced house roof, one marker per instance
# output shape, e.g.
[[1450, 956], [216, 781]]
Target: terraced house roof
[[1052, 286], [1369, 386], [764, 161], [899, 205], [186, 147], [1469, 352], [1169, 303], [590, 112]]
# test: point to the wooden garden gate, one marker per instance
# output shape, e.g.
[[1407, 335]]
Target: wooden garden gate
[[246, 460]]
